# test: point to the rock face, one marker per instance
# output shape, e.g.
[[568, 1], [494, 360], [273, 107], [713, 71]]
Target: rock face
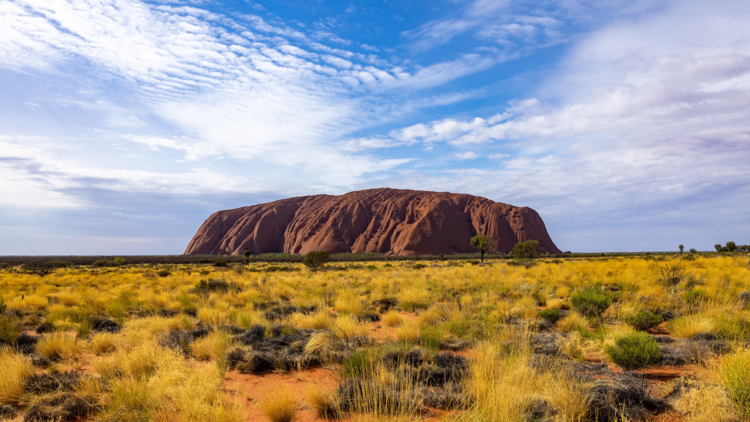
[[406, 222]]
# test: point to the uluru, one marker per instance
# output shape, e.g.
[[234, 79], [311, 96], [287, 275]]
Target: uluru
[[401, 222]]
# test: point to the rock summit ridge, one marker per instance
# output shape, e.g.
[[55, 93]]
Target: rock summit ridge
[[404, 222]]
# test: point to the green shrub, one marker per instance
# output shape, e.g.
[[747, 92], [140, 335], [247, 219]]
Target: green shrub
[[372, 267], [735, 374], [4, 265], [551, 314], [104, 263], [204, 272], [634, 350], [590, 302], [315, 259], [59, 264], [527, 250], [164, 273], [695, 296], [221, 262], [418, 266], [642, 320]]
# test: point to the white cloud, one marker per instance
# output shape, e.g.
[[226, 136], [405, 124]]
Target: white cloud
[[651, 111], [468, 155]]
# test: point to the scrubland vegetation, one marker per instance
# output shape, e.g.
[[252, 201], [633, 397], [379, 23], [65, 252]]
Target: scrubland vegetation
[[581, 339]]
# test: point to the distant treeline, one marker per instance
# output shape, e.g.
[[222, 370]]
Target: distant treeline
[[109, 261]]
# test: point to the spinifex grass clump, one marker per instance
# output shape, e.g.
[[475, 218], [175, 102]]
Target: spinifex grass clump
[[591, 301], [279, 406], [14, 370], [634, 350], [735, 373]]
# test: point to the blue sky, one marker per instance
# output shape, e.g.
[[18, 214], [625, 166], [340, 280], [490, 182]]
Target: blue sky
[[124, 124]]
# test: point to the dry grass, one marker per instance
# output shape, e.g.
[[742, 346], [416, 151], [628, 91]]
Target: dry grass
[[408, 333], [347, 327], [324, 403], [735, 375], [279, 406], [706, 403], [211, 347], [149, 383], [59, 346], [392, 319], [107, 365], [525, 308], [14, 369], [317, 321], [574, 321], [102, 343], [691, 325]]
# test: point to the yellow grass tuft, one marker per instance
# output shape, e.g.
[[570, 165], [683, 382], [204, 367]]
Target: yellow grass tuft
[[102, 343], [408, 333], [574, 321], [706, 403], [324, 403], [279, 406], [691, 325], [347, 327], [59, 346], [14, 369], [392, 319], [212, 346]]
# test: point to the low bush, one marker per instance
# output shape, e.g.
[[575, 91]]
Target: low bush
[[634, 350], [220, 263], [590, 302], [735, 374], [315, 259], [642, 320], [164, 273], [551, 314]]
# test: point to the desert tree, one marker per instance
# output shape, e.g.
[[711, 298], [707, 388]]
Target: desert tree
[[483, 243], [315, 259], [527, 250], [731, 246], [682, 248], [39, 268], [247, 255]]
